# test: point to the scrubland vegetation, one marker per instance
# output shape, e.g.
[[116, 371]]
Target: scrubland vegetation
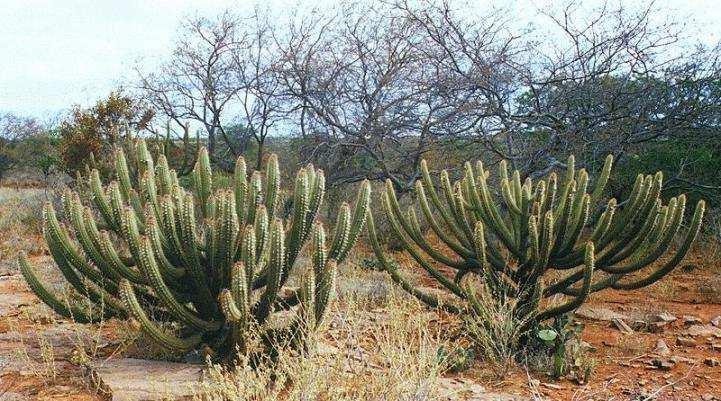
[[396, 201]]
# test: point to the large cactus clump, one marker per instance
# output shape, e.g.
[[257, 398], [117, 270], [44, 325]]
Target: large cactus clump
[[532, 241], [197, 269]]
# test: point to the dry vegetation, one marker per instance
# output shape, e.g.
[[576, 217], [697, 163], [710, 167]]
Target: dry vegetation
[[379, 344]]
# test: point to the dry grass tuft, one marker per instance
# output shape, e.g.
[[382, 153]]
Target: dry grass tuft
[[495, 330], [20, 224], [388, 353]]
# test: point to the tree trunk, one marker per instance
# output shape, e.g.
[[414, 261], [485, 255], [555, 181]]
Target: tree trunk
[[261, 150]]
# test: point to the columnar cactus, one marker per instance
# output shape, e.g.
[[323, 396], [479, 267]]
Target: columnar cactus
[[197, 270], [511, 245]]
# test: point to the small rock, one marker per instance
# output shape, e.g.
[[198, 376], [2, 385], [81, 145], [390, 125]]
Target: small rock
[[598, 313], [665, 317], [587, 347], [645, 326], [716, 346], [708, 397], [689, 320], [135, 379], [679, 359], [661, 348], [662, 364], [686, 342], [704, 330], [716, 321], [12, 396], [622, 326], [711, 362]]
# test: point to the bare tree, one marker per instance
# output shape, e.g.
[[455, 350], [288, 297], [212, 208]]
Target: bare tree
[[372, 101], [14, 132], [255, 61], [598, 81], [197, 83]]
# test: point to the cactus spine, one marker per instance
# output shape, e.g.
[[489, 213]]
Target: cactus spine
[[211, 264], [512, 243]]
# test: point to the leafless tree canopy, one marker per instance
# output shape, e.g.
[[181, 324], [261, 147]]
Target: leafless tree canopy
[[371, 88]]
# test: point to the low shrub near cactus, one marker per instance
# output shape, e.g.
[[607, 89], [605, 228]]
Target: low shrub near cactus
[[537, 241], [198, 269]]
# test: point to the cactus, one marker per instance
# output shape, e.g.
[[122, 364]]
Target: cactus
[[197, 270], [511, 245]]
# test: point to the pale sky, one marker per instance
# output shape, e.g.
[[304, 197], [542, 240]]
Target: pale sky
[[57, 53]]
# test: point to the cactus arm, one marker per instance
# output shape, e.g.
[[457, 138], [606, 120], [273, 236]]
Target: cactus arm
[[426, 298], [168, 224], [551, 192], [650, 229], [661, 246], [602, 180], [600, 231], [74, 211], [247, 255], [203, 181], [578, 299], [673, 262], [435, 199], [508, 197], [316, 195], [180, 312], [566, 189], [417, 237], [261, 233], [101, 201], [454, 288], [459, 249], [358, 221], [116, 263], [162, 175], [234, 304], [241, 190], [232, 312], [192, 258], [449, 195], [579, 222], [70, 261], [168, 269], [223, 239], [272, 184], [122, 173], [494, 221], [564, 219], [145, 160], [645, 214], [319, 254], [239, 287], [324, 289], [255, 197], [47, 296], [106, 264], [274, 272], [409, 225], [149, 193], [166, 340], [296, 235], [307, 319], [341, 231], [94, 293], [130, 231], [459, 210]]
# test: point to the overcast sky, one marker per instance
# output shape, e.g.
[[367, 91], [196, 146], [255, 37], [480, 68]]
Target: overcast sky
[[59, 53]]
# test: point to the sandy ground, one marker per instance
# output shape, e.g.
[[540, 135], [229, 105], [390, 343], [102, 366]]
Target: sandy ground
[[627, 366]]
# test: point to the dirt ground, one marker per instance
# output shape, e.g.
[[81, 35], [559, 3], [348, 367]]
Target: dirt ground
[[628, 366]]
